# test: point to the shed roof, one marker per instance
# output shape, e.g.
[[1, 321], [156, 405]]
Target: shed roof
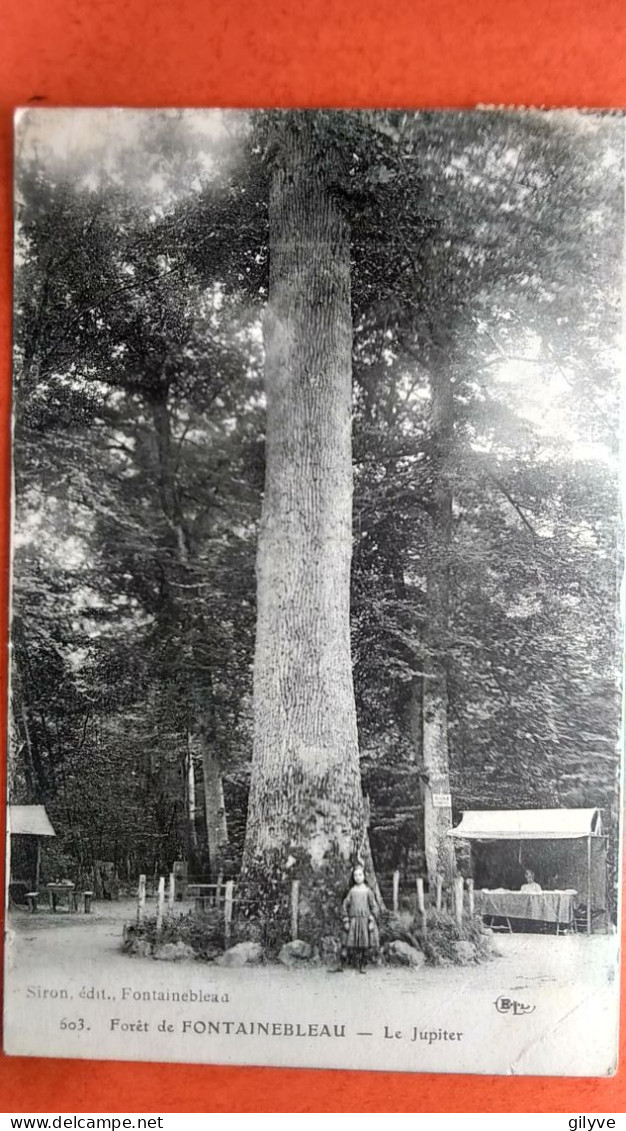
[[29, 820], [528, 824]]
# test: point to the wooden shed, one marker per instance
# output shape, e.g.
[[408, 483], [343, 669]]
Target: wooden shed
[[29, 823]]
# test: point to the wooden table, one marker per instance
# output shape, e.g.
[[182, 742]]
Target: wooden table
[[540, 906], [58, 892]]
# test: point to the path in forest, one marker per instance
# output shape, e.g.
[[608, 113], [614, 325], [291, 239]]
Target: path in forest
[[565, 981]]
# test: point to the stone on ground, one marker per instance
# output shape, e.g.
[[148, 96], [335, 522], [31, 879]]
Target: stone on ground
[[295, 953], [140, 947], [242, 954], [403, 954], [465, 951], [174, 952]]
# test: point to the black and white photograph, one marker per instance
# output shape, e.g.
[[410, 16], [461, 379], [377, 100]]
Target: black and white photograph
[[315, 660]]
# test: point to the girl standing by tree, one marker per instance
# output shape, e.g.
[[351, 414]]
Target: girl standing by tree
[[360, 910]]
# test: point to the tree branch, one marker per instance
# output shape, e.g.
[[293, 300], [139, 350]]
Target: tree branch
[[516, 506]]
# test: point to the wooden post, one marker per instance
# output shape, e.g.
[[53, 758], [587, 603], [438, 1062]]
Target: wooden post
[[421, 906], [419, 885], [141, 899], [170, 894], [228, 911], [181, 871], [458, 900], [218, 890], [470, 895], [295, 901], [160, 905], [396, 890], [439, 894]]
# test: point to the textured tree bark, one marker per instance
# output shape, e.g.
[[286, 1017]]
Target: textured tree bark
[[214, 809], [415, 709], [201, 730], [36, 774], [305, 796], [190, 773], [439, 848], [201, 740]]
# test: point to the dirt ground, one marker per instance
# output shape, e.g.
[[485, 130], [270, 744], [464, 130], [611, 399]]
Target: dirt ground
[[564, 1021]]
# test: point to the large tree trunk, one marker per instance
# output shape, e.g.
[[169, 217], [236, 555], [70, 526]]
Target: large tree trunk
[[36, 773], [439, 848], [306, 807], [214, 809], [190, 795], [201, 740], [201, 727]]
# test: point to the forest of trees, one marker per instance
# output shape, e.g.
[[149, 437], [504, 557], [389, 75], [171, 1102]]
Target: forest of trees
[[315, 429]]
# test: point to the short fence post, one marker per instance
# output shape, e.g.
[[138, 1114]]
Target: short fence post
[[458, 900], [421, 906], [141, 899], [228, 911], [396, 890], [170, 894], [470, 895], [218, 890], [295, 906], [439, 883], [160, 904]]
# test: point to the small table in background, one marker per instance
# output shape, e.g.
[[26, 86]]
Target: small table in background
[[57, 893]]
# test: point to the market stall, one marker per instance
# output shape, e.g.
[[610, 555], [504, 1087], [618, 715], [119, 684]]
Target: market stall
[[564, 848]]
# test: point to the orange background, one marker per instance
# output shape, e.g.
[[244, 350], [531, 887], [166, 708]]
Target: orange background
[[273, 52]]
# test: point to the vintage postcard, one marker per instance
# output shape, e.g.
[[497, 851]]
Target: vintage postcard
[[317, 557]]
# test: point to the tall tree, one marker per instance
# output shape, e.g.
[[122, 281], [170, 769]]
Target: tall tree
[[438, 847], [305, 793], [484, 560]]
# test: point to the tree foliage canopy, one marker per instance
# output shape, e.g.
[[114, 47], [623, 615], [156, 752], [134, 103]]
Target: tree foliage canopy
[[486, 244]]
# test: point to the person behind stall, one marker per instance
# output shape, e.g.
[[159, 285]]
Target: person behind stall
[[530, 883], [360, 910]]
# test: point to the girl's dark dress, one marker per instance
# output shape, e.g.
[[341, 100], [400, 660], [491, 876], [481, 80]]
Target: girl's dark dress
[[360, 910]]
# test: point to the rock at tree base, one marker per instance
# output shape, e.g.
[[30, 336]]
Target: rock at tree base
[[295, 953], [243, 954], [465, 951], [140, 947], [403, 954], [174, 952]]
